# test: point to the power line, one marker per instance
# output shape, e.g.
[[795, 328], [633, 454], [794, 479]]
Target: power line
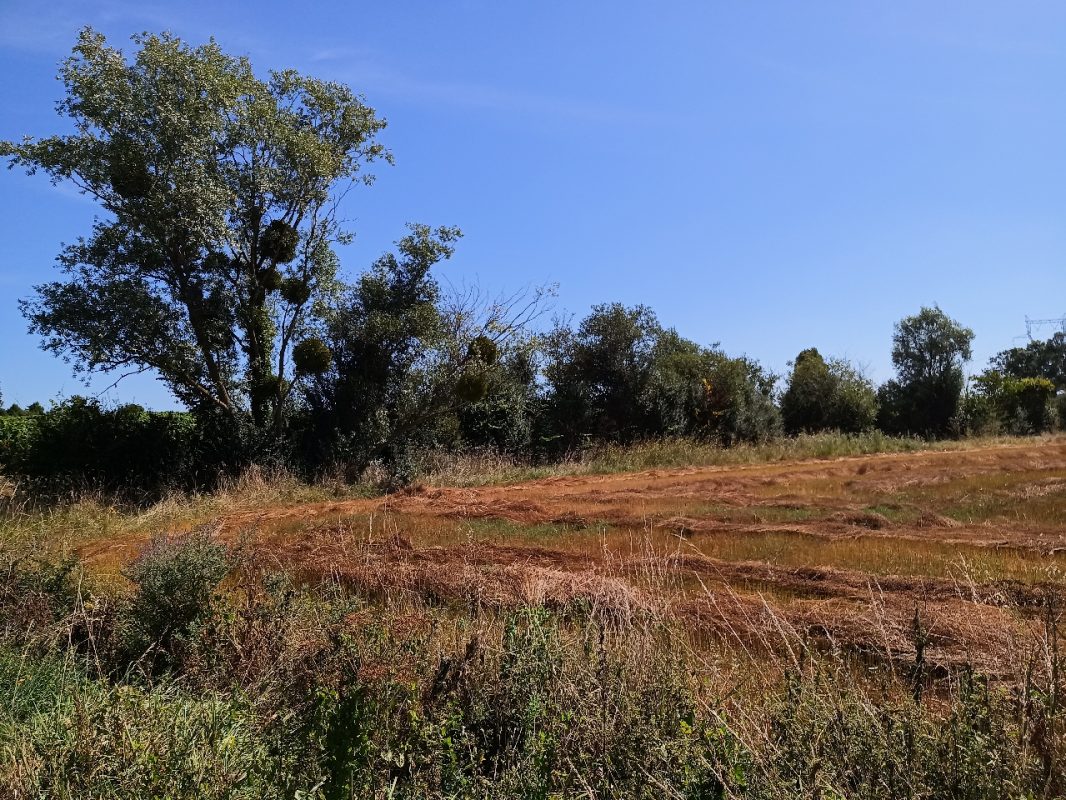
[[1033, 324]]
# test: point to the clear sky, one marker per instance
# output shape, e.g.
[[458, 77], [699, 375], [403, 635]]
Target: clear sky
[[767, 175]]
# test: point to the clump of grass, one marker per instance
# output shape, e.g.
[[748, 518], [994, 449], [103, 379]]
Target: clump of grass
[[66, 736]]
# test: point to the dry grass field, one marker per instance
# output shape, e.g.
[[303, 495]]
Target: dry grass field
[[761, 623], [844, 552]]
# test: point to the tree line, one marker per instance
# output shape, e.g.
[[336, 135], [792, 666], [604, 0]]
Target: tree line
[[617, 377], [214, 266]]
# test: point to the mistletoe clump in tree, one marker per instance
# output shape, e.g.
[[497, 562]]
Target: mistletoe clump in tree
[[214, 257]]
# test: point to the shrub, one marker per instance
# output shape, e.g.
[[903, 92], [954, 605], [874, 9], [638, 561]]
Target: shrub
[[79, 446], [35, 593], [175, 579], [17, 437], [738, 404], [1017, 406]]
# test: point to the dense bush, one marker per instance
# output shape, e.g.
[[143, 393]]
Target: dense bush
[[738, 401], [378, 389], [509, 417], [18, 438], [621, 377], [80, 446], [597, 376], [175, 580], [1038, 359], [827, 396], [1019, 406]]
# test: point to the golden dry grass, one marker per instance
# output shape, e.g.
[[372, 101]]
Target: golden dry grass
[[843, 550]]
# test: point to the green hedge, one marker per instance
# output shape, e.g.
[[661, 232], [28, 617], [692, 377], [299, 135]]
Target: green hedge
[[79, 445]]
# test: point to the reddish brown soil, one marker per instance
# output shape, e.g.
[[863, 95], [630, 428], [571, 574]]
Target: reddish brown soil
[[640, 499]]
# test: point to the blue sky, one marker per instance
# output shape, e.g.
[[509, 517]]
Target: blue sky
[[767, 175]]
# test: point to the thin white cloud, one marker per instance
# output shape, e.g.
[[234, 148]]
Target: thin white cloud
[[371, 74], [345, 53]]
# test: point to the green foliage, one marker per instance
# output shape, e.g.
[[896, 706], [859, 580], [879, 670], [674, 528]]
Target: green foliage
[[187, 152], [598, 373], [621, 377], [810, 386], [18, 436], [483, 350], [384, 336], [854, 406], [829, 739], [78, 445], [265, 387], [1024, 390], [928, 351], [312, 356], [269, 278], [67, 737], [510, 415], [738, 401], [675, 396], [827, 396], [35, 591], [279, 241], [1038, 359], [1018, 406], [296, 291], [28, 686], [15, 410], [471, 387], [553, 712], [175, 580]]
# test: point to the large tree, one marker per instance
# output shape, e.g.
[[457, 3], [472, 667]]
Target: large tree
[[598, 373], [929, 350], [219, 192], [622, 377], [827, 395]]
